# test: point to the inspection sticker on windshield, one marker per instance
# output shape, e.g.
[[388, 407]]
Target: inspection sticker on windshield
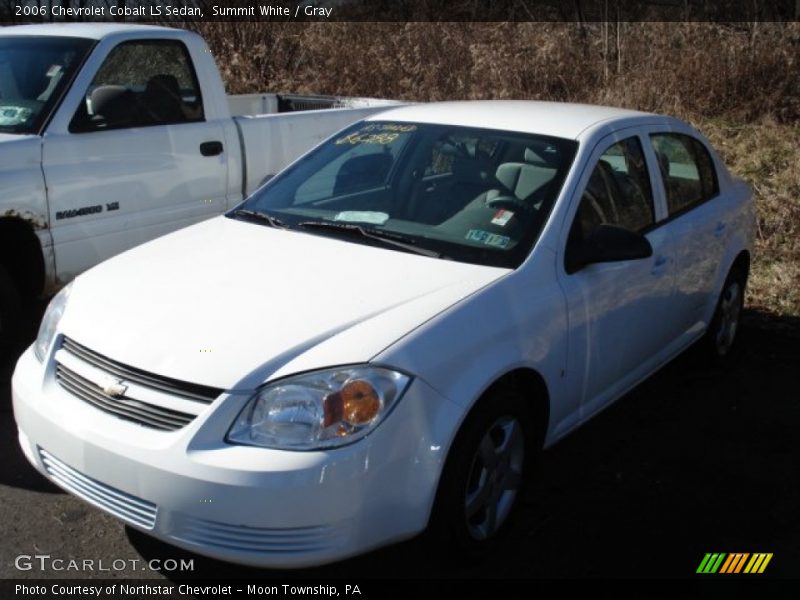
[[502, 217], [488, 238]]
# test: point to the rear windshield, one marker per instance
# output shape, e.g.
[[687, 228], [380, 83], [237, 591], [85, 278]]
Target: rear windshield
[[34, 73], [473, 195]]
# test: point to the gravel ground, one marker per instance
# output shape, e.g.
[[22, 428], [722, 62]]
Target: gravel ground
[[692, 461]]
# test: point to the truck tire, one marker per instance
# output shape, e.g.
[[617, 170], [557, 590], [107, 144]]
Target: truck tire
[[9, 313]]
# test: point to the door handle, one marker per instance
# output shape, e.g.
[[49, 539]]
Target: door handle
[[211, 148], [719, 229]]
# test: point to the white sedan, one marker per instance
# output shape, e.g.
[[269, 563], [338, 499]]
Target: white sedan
[[385, 335]]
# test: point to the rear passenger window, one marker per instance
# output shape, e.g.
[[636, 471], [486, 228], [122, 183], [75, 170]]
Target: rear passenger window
[[149, 82], [686, 169], [618, 192]]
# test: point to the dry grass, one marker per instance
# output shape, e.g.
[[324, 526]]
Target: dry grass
[[767, 155], [738, 83]]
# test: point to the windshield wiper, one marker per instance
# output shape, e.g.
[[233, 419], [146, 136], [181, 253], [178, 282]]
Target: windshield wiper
[[253, 215], [393, 239]]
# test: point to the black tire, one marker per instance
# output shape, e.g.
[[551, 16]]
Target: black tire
[[9, 313], [470, 489], [719, 346]]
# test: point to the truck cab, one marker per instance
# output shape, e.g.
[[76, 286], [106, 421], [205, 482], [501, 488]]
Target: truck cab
[[112, 135]]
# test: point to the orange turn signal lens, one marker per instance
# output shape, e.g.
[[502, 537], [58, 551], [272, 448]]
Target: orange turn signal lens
[[360, 402]]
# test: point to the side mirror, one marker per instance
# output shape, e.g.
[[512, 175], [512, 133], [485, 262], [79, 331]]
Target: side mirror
[[607, 243], [106, 107]]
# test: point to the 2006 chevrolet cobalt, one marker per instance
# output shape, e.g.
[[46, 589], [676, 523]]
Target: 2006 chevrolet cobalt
[[386, 333]]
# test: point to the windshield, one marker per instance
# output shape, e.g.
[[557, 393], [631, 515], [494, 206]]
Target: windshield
[[34, 72], [472, 195]]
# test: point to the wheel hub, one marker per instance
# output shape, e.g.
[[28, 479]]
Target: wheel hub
[[730, 312], [494, 477]]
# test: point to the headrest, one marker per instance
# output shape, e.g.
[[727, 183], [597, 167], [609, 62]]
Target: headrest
[[534, 157], [663, 163], [163, 83], [508, 174]]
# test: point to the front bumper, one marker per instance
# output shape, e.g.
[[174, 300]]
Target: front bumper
[[248, 505]]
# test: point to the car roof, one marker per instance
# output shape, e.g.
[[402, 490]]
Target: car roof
[[557, 119], [94, 31]]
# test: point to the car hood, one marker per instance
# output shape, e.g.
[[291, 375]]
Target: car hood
[[229, 304]]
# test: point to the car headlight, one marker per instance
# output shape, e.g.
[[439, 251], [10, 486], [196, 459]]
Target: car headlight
[[322, 409], [52, 316]]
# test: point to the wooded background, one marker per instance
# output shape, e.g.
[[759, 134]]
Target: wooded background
[[739, 83]]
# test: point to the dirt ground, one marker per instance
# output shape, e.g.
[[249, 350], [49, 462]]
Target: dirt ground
[[692, 461]]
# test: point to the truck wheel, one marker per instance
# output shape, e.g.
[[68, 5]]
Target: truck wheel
[[9, 313], [483, 476], [719, 344]]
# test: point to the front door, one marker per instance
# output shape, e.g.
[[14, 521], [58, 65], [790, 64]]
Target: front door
[[139, 159], [618, 311]]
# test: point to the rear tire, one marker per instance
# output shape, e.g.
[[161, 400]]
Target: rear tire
[[484, 475], [9, 313], [719, 345]]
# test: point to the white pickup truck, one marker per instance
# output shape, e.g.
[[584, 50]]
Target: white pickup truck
[[111, 135]]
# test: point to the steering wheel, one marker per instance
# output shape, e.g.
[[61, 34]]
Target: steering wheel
[[594, 203], [511, 203]]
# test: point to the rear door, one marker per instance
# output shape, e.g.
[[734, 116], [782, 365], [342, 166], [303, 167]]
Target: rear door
[[696, 222], [137, 159], [619, 318]]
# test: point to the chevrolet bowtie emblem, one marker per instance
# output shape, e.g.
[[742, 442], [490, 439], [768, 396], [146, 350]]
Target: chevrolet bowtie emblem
[[114, 387]]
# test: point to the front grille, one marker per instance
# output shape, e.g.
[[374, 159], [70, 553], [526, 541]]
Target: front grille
[[255, 539], [146, 399], [126, 408], [124, 506], [173, 387]]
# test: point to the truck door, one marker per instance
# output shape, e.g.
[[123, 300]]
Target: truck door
[[138, 159]]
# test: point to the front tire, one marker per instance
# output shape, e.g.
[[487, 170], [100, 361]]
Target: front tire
[[484, 474]]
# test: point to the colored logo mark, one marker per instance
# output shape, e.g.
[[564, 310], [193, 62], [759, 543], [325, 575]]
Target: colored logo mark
[[736, 562]]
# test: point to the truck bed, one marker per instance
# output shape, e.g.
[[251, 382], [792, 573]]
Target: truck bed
[[267, 104]]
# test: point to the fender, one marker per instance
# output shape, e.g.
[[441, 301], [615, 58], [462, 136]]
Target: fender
[[740, 241], [23, 205]]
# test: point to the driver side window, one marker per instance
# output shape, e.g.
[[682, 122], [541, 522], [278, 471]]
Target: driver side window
[[618, 192], [141, 83]]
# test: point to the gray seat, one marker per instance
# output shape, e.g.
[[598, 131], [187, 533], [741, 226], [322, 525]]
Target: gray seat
[[523, 179]]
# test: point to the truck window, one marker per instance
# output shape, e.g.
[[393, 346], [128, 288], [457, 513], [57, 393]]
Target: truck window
[[34, 73], [141, 83]]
